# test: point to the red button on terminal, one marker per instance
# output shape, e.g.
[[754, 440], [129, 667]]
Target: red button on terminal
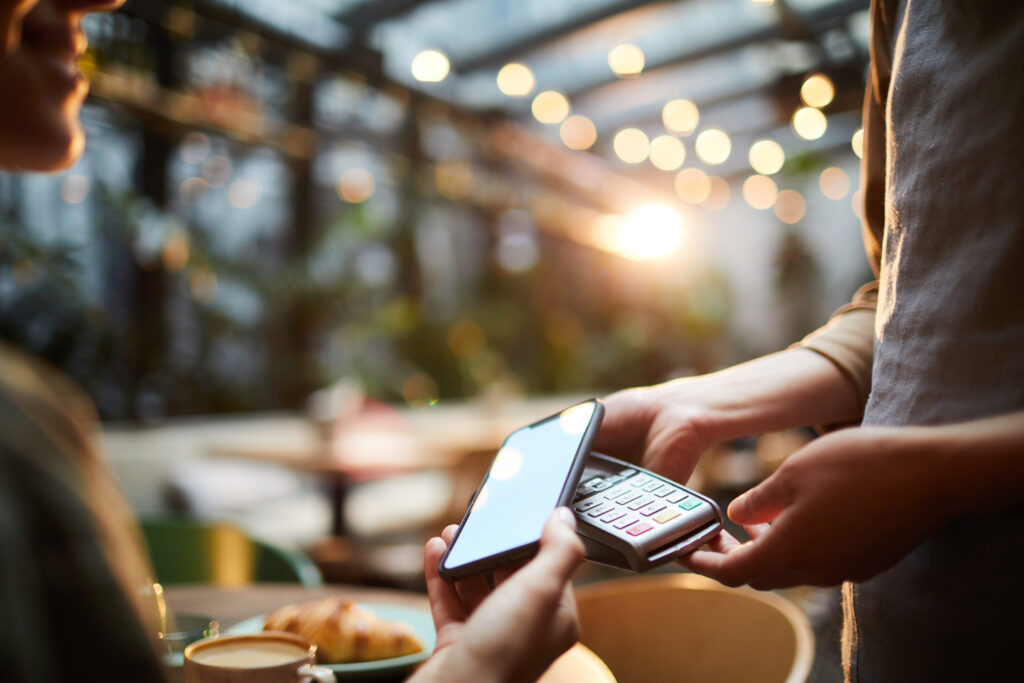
[[639, 528]]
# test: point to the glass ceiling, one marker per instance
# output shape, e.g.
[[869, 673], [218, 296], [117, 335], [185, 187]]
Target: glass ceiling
[[727, 56]]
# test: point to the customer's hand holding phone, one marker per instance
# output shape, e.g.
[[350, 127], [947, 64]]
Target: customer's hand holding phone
[[515, 631]]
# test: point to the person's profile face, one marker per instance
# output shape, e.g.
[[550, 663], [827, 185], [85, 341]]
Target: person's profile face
[[41, 89]]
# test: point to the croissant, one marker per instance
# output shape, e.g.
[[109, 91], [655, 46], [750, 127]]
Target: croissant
[[343, 631]]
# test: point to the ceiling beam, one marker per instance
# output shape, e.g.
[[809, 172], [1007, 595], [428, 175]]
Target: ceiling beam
[[502, 54], [362, 17]]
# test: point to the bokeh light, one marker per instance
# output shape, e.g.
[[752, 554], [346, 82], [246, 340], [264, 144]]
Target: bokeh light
[[834, 183], [680, 116], [766, 157], [244, 193], [857, 143], [817, 91], [75, 188], [626, 60], [857, 204], [713, 146], [809, 123], [578, 132], [631, 145], [760, 191], [719, 196], [790, 206], [692, 185], [195, 147], [356, 185], [667, 152], [430, 66], [217, 171], [516, 80], [550, 106]]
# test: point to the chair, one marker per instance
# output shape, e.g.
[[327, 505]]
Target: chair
[[684, 627], [187, 551]]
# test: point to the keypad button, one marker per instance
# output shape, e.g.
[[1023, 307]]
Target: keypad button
[[625, 521], [599, 510], [616, 492], [651, 508], [627, 473], [587, 504], [628, 497], [675, 497], [640, 480], [653, 486], [690, 503], [664, 490], [614, 478], [639, 528], [612, 515], [666, 514], [600, 486], [639, 503]]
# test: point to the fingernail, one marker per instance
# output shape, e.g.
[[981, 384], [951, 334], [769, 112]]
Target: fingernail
[[567, 517]]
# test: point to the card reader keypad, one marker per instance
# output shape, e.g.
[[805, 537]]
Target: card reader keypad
[[632, 502]]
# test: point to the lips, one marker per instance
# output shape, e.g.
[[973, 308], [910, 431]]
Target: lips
[[57, 49]]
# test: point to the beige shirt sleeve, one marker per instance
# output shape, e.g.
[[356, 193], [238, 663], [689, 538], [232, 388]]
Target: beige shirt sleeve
[[848, 339]]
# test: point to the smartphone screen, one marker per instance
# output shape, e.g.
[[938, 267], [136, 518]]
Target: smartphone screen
[[525, 483]]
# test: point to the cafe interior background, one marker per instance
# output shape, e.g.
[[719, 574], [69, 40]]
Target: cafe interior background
[[320, 256]]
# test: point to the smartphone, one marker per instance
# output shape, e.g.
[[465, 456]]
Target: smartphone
[[536, 470]]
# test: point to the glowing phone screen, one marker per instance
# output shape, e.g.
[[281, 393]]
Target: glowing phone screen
[[522, 487]]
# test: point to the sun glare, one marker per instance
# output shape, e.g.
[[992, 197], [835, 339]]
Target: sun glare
[[651, 232]]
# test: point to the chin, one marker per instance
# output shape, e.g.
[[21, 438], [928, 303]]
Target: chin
[[53, 150]]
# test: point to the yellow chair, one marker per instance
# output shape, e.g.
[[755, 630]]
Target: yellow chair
[[687, 628]]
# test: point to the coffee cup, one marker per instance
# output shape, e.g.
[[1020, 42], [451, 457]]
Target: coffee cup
[[267, 657]]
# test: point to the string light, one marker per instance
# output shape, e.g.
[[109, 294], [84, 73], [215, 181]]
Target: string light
[[631, 145], [626, 60], [692, 185], [550, 106], [817, 91], [713, 146], [667, 152], [680, 116], [809, 123], [834, 183], [516, 80], [430, 66], [857, 142], [790, 206], [766, 157], [760, 191], [578, 132]]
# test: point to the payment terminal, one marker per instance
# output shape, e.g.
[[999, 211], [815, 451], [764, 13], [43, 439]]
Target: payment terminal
[[634, 519]]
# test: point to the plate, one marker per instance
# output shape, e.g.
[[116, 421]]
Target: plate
[[420, 620]]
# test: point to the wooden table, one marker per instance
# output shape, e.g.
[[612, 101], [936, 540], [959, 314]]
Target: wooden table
[[232, 605]]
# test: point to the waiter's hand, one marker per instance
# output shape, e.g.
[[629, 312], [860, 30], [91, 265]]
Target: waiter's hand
[[844, 507]]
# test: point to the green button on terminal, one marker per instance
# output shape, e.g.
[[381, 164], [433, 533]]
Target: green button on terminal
[[690, 503]]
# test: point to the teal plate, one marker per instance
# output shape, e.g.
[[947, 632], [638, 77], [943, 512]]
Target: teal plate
[[419, 620]]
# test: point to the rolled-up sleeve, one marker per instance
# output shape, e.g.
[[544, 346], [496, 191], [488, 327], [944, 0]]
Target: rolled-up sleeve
[[848, 339]]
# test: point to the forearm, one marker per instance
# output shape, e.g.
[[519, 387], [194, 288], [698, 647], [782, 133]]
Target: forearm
[[792, 388], [982, 461]]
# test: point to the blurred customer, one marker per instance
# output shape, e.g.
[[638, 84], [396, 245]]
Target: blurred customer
[[919, 508], [73, 578]]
